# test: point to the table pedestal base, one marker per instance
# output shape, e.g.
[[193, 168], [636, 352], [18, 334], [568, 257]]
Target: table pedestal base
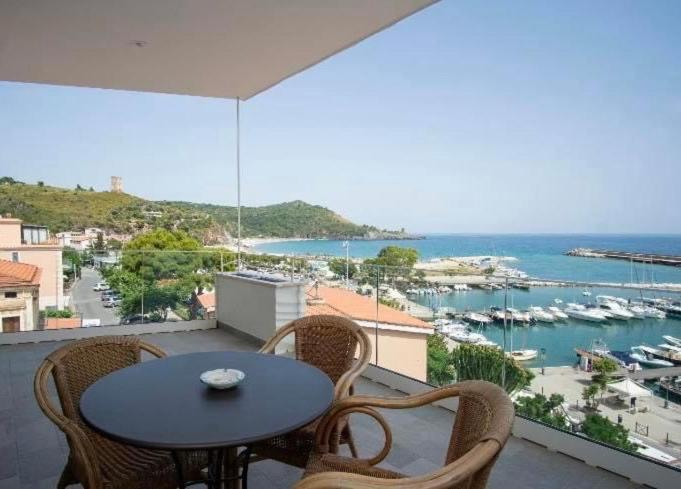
[[222, 472]]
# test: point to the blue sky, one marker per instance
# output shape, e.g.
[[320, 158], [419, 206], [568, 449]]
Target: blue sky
[[471, 116]]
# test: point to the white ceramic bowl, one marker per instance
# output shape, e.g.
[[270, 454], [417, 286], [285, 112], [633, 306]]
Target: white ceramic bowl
[[222, 378]]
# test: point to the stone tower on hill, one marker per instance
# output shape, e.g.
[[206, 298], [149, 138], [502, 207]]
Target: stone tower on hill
[[117, 184]]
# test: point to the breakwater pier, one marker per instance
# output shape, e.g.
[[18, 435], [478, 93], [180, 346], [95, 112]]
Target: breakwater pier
[[652, 258]]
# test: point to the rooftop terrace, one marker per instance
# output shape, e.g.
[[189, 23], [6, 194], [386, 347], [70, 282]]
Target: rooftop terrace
[[33, 451]]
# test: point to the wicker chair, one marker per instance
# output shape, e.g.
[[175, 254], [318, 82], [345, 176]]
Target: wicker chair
[[330, 344], [482, 426], [95, 461]]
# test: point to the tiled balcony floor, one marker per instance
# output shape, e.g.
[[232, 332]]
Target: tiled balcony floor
[[33, 451]]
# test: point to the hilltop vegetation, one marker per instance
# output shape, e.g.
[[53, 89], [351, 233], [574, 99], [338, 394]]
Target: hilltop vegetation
[[63, 209]]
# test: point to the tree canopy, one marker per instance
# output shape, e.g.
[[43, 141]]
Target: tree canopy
[[162, 254], [602, 429], [475, 362], [542, 409]]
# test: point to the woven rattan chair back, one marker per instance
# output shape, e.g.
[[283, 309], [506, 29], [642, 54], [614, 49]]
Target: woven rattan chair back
[[328, 342], [80, 364]]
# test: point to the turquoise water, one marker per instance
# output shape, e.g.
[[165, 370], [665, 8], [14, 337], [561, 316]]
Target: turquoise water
[[540, 256]]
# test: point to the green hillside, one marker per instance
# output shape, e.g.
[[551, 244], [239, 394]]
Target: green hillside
[[63, 209]]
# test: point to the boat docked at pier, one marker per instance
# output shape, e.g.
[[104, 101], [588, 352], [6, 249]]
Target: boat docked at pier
[[614, 308], [523, 355], [578, 311], [539, 314], [672, 340], [557, 313], [477, 318], [648, 357]]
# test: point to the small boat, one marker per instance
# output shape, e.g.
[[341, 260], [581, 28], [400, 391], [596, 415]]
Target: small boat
[[557, 301], [586, 293], [643, 356], [486, 287], [466, 336], [672, 340], [539, 314], [626, 360], [476, 318], [577, 311], [521, 285], [523, 355], [557, 313]]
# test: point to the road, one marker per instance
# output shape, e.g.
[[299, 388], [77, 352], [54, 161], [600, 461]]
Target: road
[[87, 302]]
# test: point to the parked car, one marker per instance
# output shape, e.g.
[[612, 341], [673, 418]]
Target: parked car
[[113, 301], [107, 294], [100, 286], [135, 319]]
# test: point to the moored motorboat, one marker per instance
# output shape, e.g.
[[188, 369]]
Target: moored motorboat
[[617, 311], [639, 312], [557, 313], [523, 355], [539, 314], [645, 357], [672, 340], [577, 311], [477, 318]]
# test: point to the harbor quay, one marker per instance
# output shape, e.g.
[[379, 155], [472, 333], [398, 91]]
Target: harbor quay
[[652, 422]]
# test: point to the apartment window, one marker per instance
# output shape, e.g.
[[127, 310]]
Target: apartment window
[[15, 256], [10, 295]]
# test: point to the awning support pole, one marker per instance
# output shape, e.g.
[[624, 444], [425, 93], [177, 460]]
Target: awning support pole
[[238, 188]]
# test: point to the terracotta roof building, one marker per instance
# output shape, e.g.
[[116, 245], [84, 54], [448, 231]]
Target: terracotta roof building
[[399, 341], [19, 296], [45, 255]]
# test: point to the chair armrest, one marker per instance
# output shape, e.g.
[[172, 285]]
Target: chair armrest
[[448, 476], [152, 349], [329, 421]]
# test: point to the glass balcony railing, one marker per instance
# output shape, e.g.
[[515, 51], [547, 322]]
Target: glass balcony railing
[[563, 370]]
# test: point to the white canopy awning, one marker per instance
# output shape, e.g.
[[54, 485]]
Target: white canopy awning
[[629, 388], [212, 48]]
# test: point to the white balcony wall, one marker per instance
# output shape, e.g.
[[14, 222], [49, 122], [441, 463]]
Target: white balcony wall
[[258, 307]]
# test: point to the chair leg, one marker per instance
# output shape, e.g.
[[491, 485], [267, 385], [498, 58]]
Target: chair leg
[[67, 478], [351, 441]]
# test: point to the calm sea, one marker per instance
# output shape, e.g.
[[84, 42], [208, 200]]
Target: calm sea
[[540, 256]]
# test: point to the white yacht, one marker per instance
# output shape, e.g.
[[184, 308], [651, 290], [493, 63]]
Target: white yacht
[[577, 311], [557, 313], [476, 318], [672, 340], [652, 312], [523, 355], [539, 314], [519, 316], [466, 336], [644, 356], [617, 311], [639, 312]]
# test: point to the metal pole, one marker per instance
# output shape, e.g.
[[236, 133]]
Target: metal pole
[[238, 187], [376, 325], [346, 245], [503, 365]]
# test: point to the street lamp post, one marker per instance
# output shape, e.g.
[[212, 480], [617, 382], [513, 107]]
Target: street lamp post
[[543, 357], [346, 245]]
